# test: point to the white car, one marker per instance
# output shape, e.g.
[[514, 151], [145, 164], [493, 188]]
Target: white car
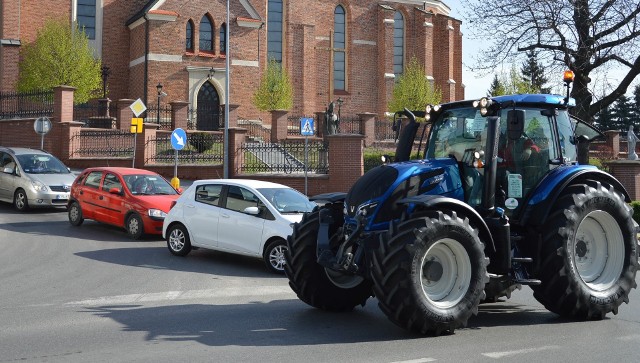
[[246, 217]]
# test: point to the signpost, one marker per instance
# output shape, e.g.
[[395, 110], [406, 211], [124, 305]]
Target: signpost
[[138, 108], [306, 130], [178, 140], [42, 126]]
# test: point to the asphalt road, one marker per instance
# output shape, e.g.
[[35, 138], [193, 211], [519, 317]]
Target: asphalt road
[[89, 294]]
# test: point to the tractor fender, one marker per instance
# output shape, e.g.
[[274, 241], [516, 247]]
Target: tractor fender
[[540, 203], [329, 197], [436, 202]]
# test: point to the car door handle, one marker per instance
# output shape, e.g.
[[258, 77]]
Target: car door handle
[[101, 197], [224, 215], [190, 206], [81, 192]]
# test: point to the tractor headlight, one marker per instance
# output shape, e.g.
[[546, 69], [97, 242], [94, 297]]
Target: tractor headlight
[[483, 104]]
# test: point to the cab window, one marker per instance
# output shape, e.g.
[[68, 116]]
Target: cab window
[[111, 181], [93, 179], [238, 199], [209, 194]]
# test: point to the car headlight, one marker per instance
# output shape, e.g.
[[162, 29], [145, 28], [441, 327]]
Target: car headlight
[[157, 214], [38, 186]]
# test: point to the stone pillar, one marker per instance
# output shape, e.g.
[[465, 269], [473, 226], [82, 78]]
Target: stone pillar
[[386, 78], [236, 159], [63, 103], [613, 142], [124, 116], [66, 133], [179, 115], [321, 129], [368, 127], [278, 125], [233, 115], [103, 107], [345, 161], [628, 173], [143, 153]]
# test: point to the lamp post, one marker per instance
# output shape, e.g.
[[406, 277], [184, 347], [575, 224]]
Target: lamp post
[[105, 73], [159, 88]]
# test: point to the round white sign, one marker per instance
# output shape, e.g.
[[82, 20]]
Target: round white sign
[[42, 125]]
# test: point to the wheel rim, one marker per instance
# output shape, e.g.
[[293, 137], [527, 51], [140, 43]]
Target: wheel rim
[[343, 280], [276, 257], [176, 240], [134, 225], [598, 250], [445, 273], [73, 213], [20, 200]]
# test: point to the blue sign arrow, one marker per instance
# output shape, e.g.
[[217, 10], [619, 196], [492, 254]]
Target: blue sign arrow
[[178, 139], [306, 126]]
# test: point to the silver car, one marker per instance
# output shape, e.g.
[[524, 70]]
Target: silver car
[[33, 178]]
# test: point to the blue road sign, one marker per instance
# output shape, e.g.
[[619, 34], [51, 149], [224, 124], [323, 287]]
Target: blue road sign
[[306, 126], [178, 139]]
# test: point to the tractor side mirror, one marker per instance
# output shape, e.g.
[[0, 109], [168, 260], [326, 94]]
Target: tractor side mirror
[[515, 124]]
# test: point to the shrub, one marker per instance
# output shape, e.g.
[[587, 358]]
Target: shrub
[[636, 211], [201, 141]]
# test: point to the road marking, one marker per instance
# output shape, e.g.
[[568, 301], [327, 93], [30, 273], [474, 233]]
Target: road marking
[[521, 351], [630, 337], [274, 329], [419, 360], [261, 291]]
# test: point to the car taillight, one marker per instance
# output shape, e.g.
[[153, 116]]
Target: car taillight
[[173, 203]]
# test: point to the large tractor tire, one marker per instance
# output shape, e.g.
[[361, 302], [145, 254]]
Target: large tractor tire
[[429, 273], [589, 253], [314, 284]]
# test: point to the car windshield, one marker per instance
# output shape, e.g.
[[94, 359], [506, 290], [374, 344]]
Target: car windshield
[[41, 164], [287, 200], [148, 185]]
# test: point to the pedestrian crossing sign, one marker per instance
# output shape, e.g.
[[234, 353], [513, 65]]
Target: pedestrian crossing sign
[[306, 126]]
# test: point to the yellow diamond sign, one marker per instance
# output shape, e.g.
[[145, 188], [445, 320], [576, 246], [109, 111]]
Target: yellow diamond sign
[[138, 107]]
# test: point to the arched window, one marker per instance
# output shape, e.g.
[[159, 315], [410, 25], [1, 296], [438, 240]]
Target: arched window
[[206, 34], [274, 30], [398, 43], [340, 47], [189, 36], [223, 38]]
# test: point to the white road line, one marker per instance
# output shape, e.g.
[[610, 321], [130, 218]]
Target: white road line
[[521, 351], [628, 338], [274, 329], [419, 360], [260, 291]]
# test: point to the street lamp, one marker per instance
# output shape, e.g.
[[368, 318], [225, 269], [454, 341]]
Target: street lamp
[[212, 72], [105, 74], [159, 88]]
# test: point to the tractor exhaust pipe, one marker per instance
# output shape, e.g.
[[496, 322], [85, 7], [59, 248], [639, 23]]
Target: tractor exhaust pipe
[[491, 163]]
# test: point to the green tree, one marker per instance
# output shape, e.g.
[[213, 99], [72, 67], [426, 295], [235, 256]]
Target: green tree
[[413, 90], [622, 113], [275, 91], [533, 74], [60, 55], [604, 120], [496, 88], [513, 83]]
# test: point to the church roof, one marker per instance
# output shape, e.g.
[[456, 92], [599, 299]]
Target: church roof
[[250, 14]]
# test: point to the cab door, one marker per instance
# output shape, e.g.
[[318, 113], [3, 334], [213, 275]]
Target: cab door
[[88, 196], [238, 231], [112, 204], [201, 214], [7, 180]]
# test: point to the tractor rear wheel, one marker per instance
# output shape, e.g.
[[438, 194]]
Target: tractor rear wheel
[[429, 273], [314, 284], [589, 256]]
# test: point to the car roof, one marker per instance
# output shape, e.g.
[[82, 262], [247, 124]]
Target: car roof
[[122, 170], [252, 183], [23, 150]]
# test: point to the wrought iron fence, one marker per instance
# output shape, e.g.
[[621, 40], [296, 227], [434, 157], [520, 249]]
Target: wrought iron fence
[[201, 148], [293, 125], [160, 116], [285, 157], [103, 143], [349, 125], [384, 129], [26, 104], [255, 130]]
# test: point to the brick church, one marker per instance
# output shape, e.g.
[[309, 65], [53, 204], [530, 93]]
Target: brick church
[[347, 49]]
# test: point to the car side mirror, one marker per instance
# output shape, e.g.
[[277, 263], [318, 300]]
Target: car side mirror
[[254, 211], [515, 124], [115, 191], [180, 190]]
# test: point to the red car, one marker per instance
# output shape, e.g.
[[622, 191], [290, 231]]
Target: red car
[[135, 199]]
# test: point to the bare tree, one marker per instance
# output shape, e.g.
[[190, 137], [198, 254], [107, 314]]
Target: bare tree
[[588, 36]]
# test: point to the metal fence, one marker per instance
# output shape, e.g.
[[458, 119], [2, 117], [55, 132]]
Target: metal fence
[[103, 143], [160, 116], [255, 130], [293, 125], [202, 148], [350, 125], [286, 157], [94, 115], [205, 119], [26, 104]]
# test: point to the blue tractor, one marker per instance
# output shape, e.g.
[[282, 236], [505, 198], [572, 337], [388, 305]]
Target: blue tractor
[[496, 200]]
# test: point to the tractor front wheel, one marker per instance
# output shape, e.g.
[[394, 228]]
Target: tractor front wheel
[[429, 273]]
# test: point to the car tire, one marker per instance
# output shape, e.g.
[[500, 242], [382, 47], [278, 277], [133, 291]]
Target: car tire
[[274, 256], [20, 200], [178, 240], [75, 214], [134, 226]]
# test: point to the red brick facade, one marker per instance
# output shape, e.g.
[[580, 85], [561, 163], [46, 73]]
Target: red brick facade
[[143, 44]]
